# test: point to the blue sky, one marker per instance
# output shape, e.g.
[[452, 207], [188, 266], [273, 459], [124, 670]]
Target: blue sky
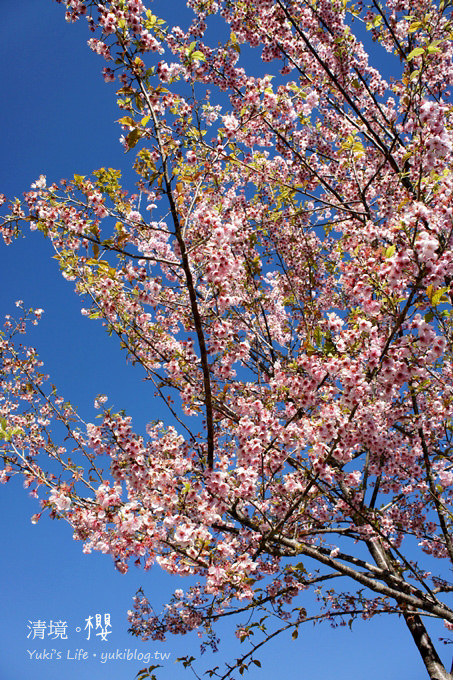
[[57, 118]]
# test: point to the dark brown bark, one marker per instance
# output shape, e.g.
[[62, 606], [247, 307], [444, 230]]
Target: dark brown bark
[[433, 664]]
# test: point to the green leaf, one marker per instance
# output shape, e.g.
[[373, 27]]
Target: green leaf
[[415, 53], [390, 251], [318, 335], [146, 672], [358, 149], [133, 137], [375, 22], [436, 298], [414, 26], [186, 660], [127, 120], [199, 56], [191, 48]]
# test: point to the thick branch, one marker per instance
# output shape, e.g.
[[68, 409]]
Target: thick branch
[[190, 285], [423, 642]]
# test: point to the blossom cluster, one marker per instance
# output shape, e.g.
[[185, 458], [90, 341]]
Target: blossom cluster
[[283, 277]]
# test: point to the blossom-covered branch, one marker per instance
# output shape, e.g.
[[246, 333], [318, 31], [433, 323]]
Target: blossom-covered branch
[[282, 272]]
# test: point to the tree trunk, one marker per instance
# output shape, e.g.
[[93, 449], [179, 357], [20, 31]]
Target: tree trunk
[[433, 664]]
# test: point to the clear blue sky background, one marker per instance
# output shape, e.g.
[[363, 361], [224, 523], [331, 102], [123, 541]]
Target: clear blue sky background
[[57, 118]]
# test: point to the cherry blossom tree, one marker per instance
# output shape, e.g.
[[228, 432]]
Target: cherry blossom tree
[[282, 273]]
